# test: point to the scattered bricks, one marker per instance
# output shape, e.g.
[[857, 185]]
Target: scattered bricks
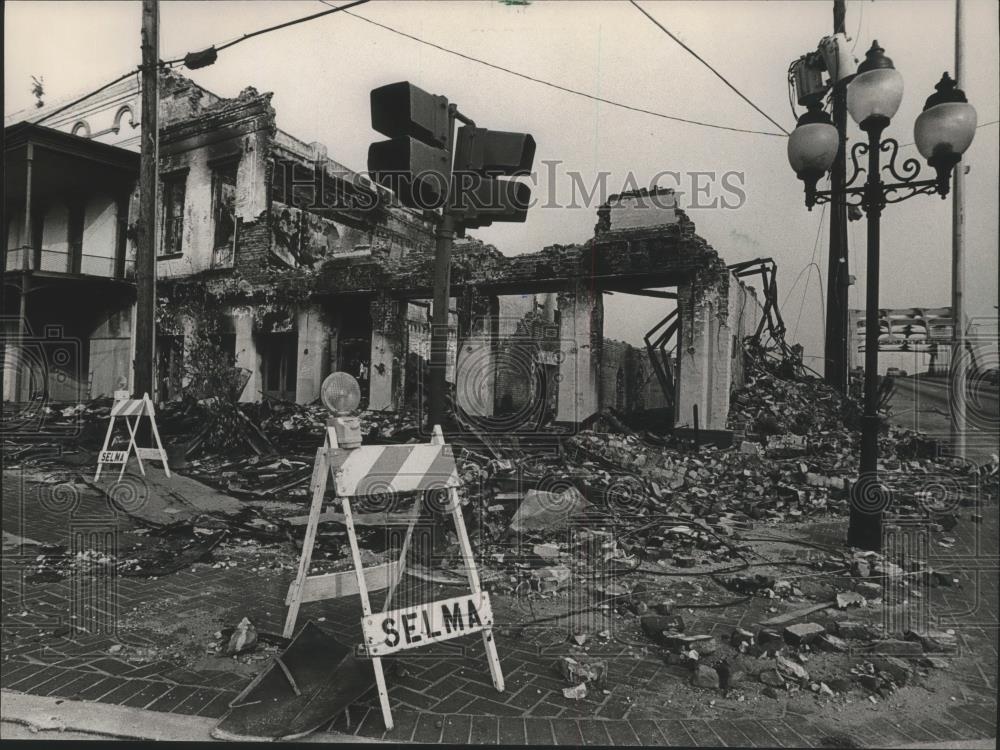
[[941, 579], [934, 641], [862, 631], [655, 625], [933, 662], [803, 633], [869, 590], [707, 645], [895, 647], [577, 692], [741, 639], [751, 449], [831, 643], [888, 569], [684, 561], [790, 670], [703, 644], [771, 678], [896, 669], [786, 446], [861, 569], [576, 671], [839, 685], [705, 677], [546, 551], [552, 578], [869, 682], [847, 599], [730, 673], [770, 639], [666, 607]]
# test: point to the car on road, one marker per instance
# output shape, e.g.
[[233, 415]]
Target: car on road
[[895, 372]]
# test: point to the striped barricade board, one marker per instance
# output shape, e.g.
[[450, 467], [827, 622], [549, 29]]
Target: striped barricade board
[[131, 411], [370, 471]]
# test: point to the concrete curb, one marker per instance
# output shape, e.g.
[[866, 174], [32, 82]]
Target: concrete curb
[[41, 714]]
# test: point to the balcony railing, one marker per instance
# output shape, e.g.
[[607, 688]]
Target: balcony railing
[[57, 261]]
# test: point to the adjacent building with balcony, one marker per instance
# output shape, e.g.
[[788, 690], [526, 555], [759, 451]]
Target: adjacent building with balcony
[[68, 264]]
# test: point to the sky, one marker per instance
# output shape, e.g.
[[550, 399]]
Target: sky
[[321, 73]]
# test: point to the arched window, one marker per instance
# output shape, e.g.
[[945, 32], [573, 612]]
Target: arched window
[[127, 109], [81, 128]]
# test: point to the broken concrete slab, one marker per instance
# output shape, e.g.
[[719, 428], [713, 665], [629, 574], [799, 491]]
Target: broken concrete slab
[[897, 669], [831, 643], [790, 670], [157, 500], [803, 633], [548, 511], [654, 626], [847, 599], [855, 630], [934, 641], [895, 647], [551, 578], [705, 677]]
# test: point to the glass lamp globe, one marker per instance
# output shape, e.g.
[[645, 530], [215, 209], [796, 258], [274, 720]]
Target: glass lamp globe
[[944, 130], [875, 93], [812, 146]]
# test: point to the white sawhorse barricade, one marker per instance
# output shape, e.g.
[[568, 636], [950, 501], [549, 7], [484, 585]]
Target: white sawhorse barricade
[[368, 470], [131, 410]]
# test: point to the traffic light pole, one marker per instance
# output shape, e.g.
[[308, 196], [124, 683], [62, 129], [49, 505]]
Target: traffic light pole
[[444, 239]]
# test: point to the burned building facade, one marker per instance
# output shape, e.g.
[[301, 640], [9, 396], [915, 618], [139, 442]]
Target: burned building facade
[[277, 259]]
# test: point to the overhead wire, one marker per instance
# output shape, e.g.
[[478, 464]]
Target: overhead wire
[[276, 27], [176, 61], [560, 87], [704, 62], [86, 96]]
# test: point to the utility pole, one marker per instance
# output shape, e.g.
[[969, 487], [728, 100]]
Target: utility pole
[[835, 346], [959, 369], [145, 266]]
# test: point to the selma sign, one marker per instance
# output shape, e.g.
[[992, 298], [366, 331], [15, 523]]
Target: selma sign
[[388, 632]]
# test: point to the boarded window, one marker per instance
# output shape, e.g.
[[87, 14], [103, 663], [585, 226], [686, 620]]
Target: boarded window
[[174, 189]]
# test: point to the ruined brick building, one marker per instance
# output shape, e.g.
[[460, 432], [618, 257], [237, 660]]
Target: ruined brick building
[[294, 266]]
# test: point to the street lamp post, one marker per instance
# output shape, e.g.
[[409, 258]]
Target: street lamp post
[[942, 132]]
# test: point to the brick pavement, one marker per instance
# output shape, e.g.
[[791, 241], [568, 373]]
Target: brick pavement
[[444, 693]]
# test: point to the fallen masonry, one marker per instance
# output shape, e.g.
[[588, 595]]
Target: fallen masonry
[[628, 534]]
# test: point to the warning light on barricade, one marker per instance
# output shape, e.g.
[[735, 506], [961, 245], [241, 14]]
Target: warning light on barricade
[[341, 394]]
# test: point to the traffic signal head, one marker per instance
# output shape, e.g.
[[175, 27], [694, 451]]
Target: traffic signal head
[[416, 172], [478, 201], [494, 151], [402, 109]]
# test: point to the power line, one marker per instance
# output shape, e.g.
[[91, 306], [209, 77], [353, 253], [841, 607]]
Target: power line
[[96, 91], [819, 230], [226, 45], [286, 24], [559, 87], [704, 62]]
